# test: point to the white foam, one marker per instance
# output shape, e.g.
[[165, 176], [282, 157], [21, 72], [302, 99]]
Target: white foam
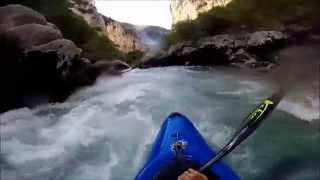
[[119, 116], [98, 172], [306, 110]]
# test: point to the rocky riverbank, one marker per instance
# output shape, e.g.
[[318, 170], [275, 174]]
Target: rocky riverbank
[[250, 49], [37, 61], [257, 50], [242, 33]]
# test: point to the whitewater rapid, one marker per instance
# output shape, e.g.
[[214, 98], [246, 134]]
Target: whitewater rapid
[[104, 132]]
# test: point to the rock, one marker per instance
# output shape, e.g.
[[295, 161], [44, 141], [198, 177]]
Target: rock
[[123, 35], [112, 67], [120, 66], [65, 50], [54, 69], [183, 10], [242, 56], [132, 38], [37, 61], [222, 41], [251, 50], [263, 43], [28, 35], [87, 10], [264, 38], [187, 54], [17, 15]]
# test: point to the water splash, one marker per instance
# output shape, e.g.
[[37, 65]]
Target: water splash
[[106, 131]]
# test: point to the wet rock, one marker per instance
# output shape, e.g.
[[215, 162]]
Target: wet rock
[[112, 67], [251, 49]]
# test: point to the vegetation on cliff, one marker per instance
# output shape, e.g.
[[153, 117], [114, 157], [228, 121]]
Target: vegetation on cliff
[[247, 15], [95, 46]]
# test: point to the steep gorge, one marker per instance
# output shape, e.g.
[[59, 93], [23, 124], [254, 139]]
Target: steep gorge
[[127, 37]]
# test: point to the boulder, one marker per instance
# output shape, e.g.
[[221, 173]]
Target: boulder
[[242, 56], [17, 15], [112, 67], [28, 35], [66, 51], [37, 61], [264, 38], [222, 41]]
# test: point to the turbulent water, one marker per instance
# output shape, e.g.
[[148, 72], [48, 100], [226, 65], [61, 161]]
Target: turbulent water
[[105, 132]]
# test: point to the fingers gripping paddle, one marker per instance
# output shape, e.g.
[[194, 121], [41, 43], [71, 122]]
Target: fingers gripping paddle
[[250, 124]]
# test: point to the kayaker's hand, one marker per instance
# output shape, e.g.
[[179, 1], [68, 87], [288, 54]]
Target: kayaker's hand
[[192, 175]]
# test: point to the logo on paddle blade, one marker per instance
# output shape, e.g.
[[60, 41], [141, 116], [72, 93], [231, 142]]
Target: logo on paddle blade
[[255, 116]]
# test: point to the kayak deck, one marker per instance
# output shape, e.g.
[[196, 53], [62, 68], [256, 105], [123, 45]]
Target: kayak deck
[[177, 128]]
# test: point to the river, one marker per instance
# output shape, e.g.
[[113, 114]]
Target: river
[[104, 132]]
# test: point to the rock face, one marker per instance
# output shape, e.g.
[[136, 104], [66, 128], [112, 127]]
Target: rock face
[[37, 60], [124, 35], [133, 38], [250, 50], [128, 37], [183, 10], [88, 10]]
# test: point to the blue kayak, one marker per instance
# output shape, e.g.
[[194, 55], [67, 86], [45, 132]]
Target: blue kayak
[[179, 141]]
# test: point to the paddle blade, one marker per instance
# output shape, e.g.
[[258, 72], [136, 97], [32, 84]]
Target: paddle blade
[[250, 124]]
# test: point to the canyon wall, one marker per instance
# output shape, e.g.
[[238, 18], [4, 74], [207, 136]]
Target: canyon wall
[[183, 10]]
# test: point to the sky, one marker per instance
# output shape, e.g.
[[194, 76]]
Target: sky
[[139, 12]]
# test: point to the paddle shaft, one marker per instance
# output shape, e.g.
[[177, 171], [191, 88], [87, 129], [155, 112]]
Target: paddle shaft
[[249, 125]]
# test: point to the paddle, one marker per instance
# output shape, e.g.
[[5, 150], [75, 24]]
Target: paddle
[[249, 125]]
